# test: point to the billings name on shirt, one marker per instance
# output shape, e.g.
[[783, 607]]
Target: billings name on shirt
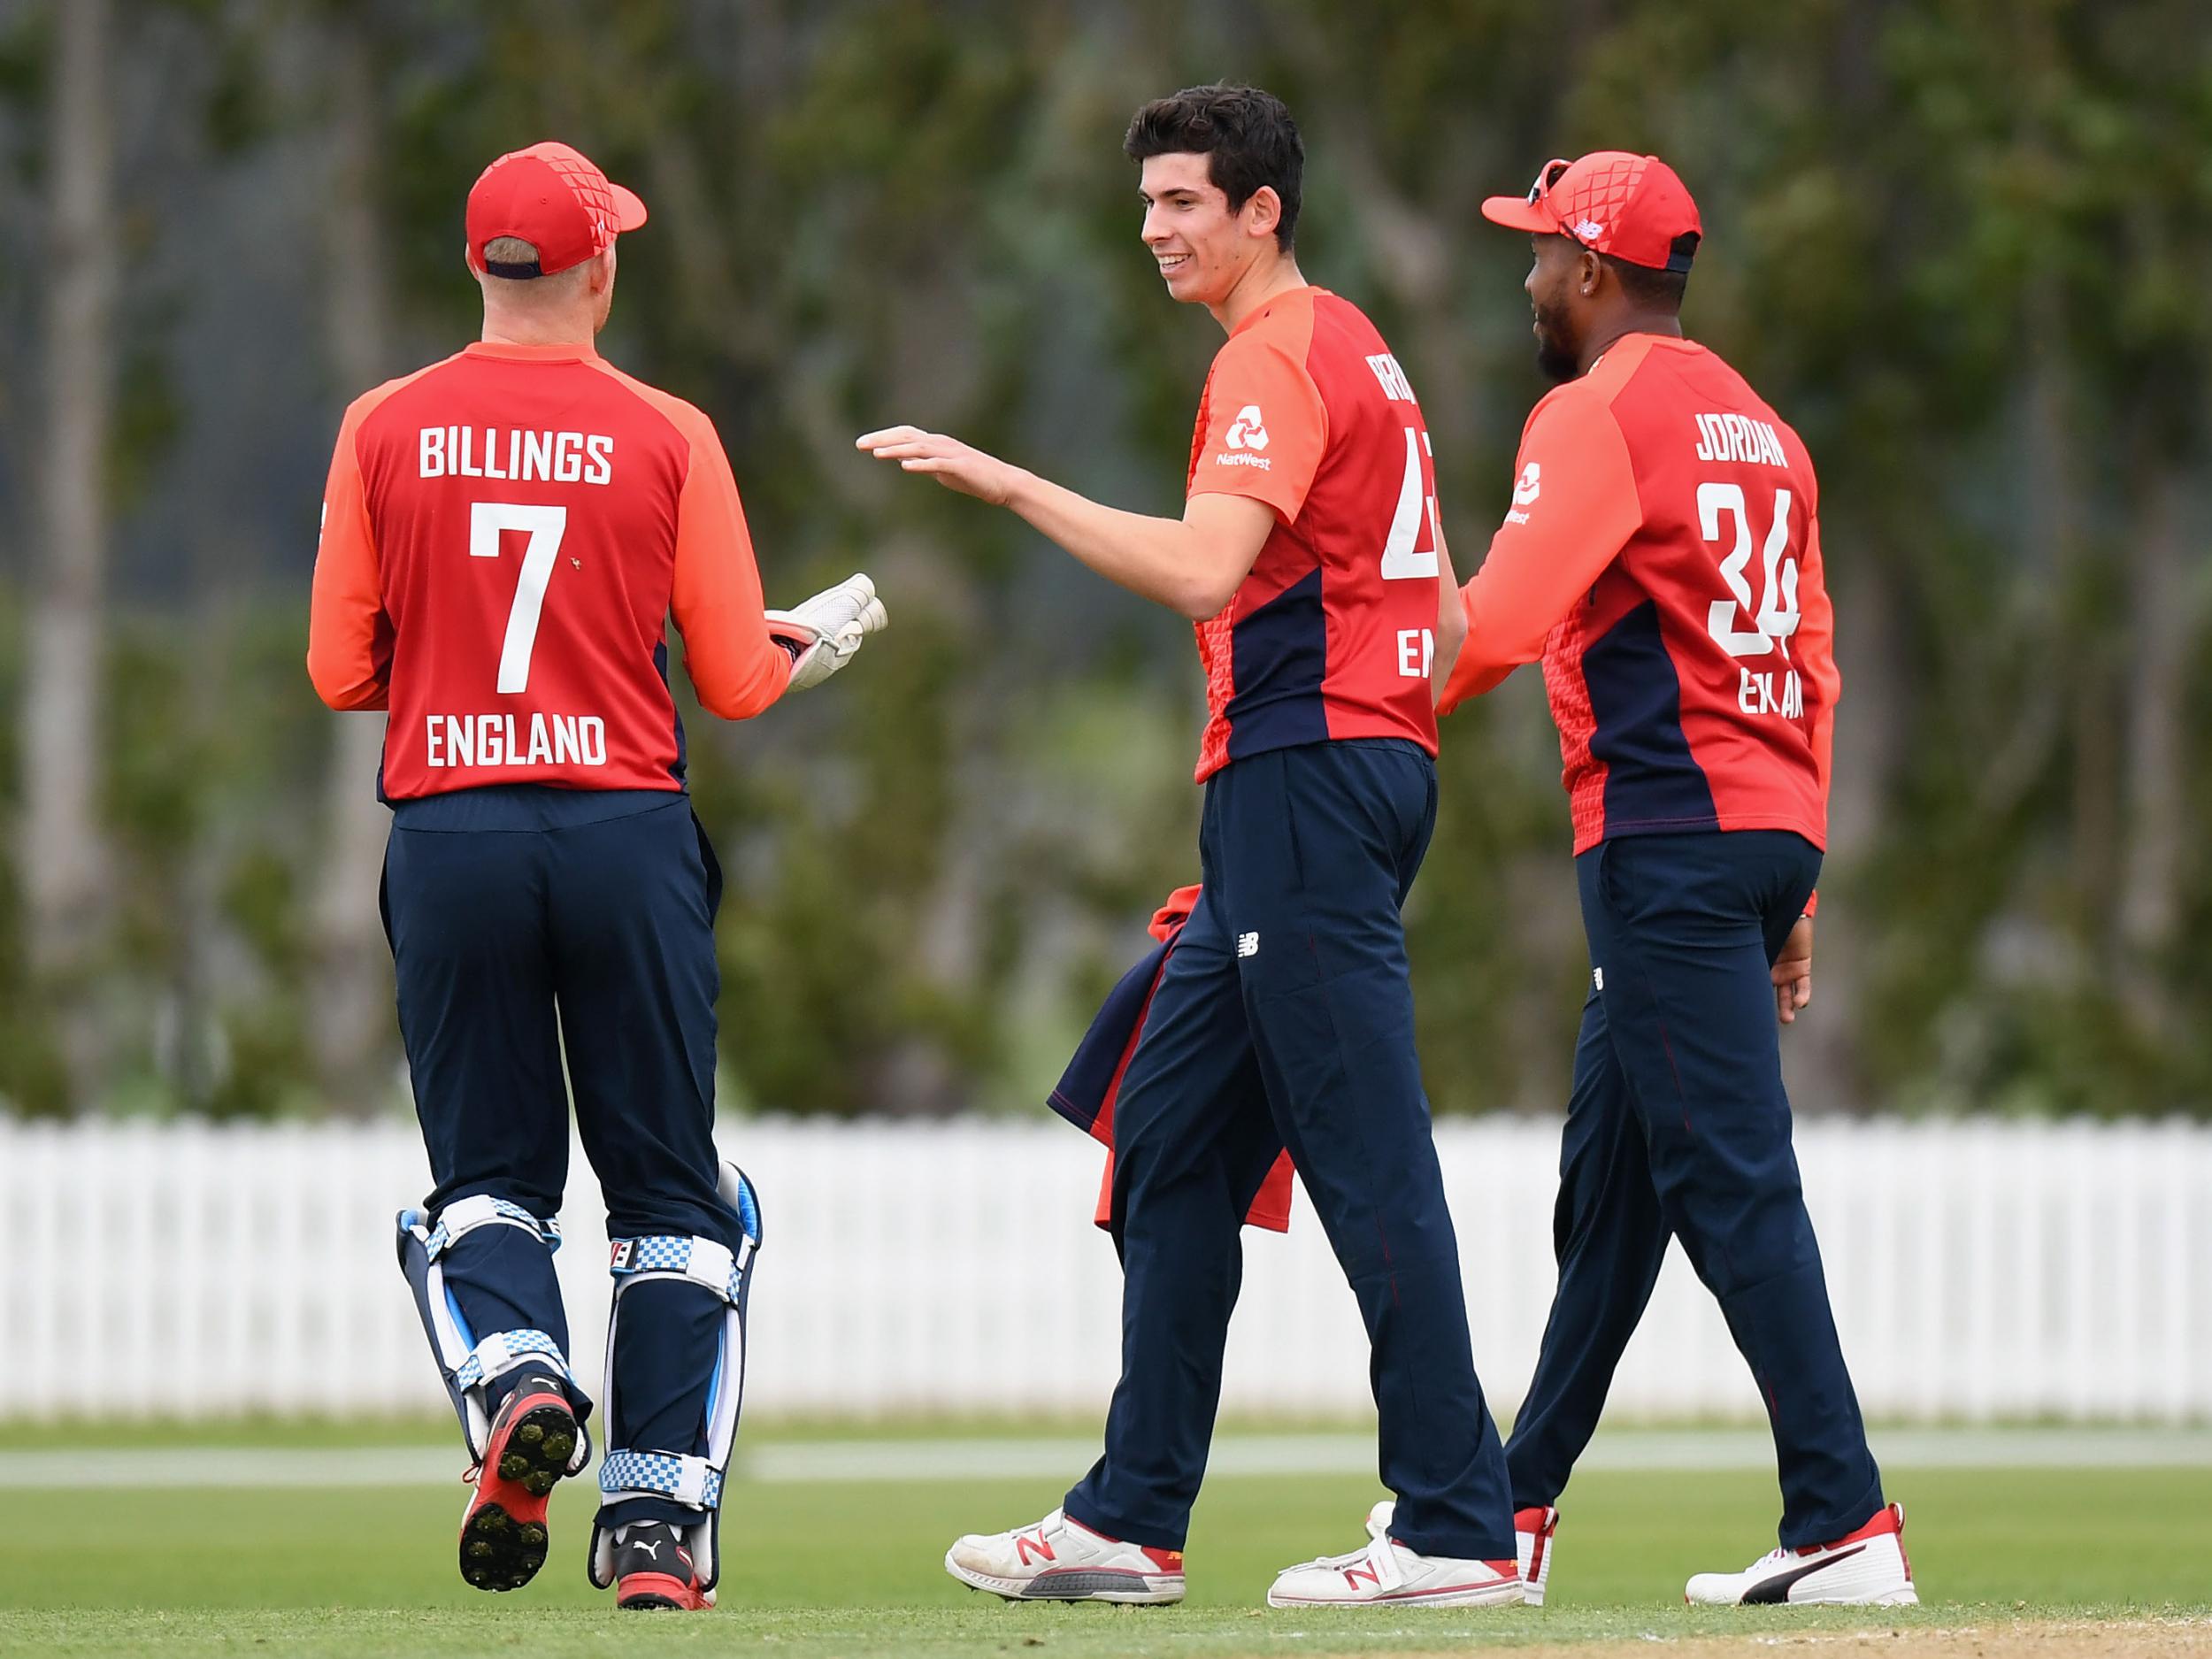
[[526, 457]]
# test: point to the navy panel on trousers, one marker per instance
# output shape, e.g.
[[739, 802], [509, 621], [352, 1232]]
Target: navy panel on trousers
[[1678, 1124], [1636, 703], [1294, 967], [523, 921]]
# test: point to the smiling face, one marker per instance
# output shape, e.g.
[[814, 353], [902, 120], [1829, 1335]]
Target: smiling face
[[1204, 248]]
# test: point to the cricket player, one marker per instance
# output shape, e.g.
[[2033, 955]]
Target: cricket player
[[1662, 557], [1309, 557], [506, 534]]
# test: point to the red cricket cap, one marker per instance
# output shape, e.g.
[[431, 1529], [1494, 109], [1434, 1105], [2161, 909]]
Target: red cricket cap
[[1632, 207], [552, 196]]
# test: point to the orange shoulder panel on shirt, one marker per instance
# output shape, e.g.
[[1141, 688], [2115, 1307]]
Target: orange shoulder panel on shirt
[[714, 595], [1575, 505], [1263, 426], [349, 635]]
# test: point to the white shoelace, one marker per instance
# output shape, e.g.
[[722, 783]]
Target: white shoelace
[[1350, 1558]]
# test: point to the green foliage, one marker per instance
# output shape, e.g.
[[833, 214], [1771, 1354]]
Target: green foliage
[[33, 1079], [1960, 247]]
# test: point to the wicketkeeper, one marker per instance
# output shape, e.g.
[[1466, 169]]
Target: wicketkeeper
[[506, 535]]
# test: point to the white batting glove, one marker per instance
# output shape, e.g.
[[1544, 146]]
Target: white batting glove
[[822, 633]]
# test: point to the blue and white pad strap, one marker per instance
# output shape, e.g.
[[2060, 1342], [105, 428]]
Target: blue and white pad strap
[[689, 1480], [703, 1260], [482, 1210], [503, 1351]]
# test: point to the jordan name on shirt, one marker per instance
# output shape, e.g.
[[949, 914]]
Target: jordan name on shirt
[[1739, 438], [542, 458]]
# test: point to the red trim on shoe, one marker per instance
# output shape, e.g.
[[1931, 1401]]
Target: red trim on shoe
[[1510, 1568], [665, 1585], [1539, 1523], [1509, 1576], [1885, 1522], [1165, 1560]]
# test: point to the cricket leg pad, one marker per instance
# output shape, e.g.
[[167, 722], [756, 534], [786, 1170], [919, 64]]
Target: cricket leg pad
[[686, 1481], [472, 1363]]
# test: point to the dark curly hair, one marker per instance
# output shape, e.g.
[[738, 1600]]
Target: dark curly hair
[[1246, 134]]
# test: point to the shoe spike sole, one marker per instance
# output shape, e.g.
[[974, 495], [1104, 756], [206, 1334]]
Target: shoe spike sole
[[503, 1548]]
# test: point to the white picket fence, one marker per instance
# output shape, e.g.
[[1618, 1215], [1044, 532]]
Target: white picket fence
[[1981, 1269]]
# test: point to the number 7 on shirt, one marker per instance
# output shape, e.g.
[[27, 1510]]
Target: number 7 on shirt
[[546, 526]]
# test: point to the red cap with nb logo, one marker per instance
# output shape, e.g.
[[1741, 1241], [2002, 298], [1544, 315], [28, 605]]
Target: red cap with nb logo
[[1632, 207], [553, 197]]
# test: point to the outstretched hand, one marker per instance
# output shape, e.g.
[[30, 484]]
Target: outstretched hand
[[951, 463], [1793, 972]]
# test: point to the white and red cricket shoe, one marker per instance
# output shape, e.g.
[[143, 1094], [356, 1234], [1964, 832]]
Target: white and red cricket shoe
[[1058, 1559], [1532, 1544], [1388, 1574], [1867, 1569]]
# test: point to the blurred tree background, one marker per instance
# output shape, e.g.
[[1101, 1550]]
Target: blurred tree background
[[1962, 248]]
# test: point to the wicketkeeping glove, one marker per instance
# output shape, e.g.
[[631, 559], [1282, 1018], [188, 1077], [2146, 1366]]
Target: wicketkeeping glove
[[822, 633]]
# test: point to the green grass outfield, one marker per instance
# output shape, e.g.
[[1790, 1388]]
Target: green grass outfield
[[851, 1566]]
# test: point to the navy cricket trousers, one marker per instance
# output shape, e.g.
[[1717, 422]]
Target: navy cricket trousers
[[1678, 1124], [531, 926], [1291, 975]]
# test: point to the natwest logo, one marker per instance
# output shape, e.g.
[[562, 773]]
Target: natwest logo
[[1525, 490], [1247, 431]]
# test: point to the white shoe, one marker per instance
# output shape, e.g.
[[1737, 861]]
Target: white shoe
[[1061, 1560], [1385, 1573], [1532, 1543], [1867, 1569]]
